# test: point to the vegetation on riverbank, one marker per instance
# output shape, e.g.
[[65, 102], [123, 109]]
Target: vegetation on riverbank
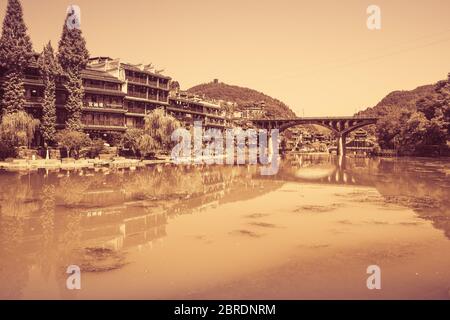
[[414, 122]]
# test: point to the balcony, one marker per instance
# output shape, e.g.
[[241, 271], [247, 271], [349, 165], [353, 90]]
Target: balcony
[[101, 87], [104, 107], [153, 83], [136, 94], [34, 99], [136, 80], [164, 85], [136, 110]]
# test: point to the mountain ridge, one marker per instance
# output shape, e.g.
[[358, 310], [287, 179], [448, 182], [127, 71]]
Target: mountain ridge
[[243, 97]]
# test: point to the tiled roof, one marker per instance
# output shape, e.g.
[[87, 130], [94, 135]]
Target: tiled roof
[[98, 75]]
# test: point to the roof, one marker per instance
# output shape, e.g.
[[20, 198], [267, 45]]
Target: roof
[[99, 75], [135, 68]]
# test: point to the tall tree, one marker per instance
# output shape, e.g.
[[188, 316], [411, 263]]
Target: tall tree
[[160, 127], [49, 69], [16, 52], [74, 103], [73, 57]]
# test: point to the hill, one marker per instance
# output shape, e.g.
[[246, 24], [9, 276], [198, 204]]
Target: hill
[[399, 100], [243, 97]]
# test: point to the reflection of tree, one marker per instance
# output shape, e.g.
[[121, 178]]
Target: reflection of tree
[[417, 184], [18, 199], [47, 221]]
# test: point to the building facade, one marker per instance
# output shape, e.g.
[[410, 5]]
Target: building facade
[[117, 96], [144, 89], [188, 108]]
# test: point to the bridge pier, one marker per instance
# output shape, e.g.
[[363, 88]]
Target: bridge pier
[[341, 144]]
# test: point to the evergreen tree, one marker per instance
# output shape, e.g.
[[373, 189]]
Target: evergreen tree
[[13, 99], [74, 101], [49, 69], [16, 52], [73, 58]]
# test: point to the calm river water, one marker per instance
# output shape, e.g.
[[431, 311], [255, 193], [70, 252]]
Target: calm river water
[[226, 232]]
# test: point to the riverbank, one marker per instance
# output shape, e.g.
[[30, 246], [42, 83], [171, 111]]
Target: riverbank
[[71, 164]]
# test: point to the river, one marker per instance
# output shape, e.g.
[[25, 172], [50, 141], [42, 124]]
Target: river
[[226, 232]]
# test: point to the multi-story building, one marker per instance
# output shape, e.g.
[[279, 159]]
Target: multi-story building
[[144, 88], [189, 108], [103, 110], [117, 96]]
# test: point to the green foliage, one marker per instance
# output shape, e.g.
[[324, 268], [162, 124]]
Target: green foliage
[[74, 103], [147, 145], [73, 57], [96, 147], [16, 52], [130, 140], [17, 129], [73, 141], [13, 98], [16, 49], [243, 96], [414, 129], [160, 127], [72, 52], [49, 69]]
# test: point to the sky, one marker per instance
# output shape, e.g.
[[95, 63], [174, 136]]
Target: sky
[[317, 56]]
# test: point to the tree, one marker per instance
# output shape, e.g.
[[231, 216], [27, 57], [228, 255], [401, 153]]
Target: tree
[[17, 129], [147, 145], [160, 127], [130, 139], [49, 69], [16, 52], [73, 57], [389, 128], [74, 103], [13, 98], [97, 146], [72, 52], [73, 141]]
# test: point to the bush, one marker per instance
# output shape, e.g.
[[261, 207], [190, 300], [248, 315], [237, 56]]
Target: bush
[[130, 140], [73, 141], [97, 146], [7, 150]]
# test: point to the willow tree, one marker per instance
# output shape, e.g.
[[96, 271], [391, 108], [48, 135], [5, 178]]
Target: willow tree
[[73, 57], [49, 70], [16, 52], [18, 128], [160, 126]]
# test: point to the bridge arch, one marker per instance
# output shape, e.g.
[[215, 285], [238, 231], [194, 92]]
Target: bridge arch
[[341, 126]]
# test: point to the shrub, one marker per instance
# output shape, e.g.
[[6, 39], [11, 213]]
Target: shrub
[[73, 141], [97, 146]]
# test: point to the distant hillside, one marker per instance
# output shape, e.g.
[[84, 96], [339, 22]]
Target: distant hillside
[[399, 100], [243, 97]]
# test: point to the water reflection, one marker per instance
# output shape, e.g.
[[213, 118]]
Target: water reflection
[[50, 220]]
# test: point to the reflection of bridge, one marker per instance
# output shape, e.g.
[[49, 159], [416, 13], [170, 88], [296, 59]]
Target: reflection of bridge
[[341, 126]]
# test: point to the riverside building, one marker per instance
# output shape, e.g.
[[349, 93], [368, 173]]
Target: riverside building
[[117, 96]]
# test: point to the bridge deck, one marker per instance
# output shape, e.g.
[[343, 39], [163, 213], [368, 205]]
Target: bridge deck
[[315, 119]]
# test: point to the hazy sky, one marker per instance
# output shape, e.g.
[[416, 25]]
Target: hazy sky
[[317, 56]]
